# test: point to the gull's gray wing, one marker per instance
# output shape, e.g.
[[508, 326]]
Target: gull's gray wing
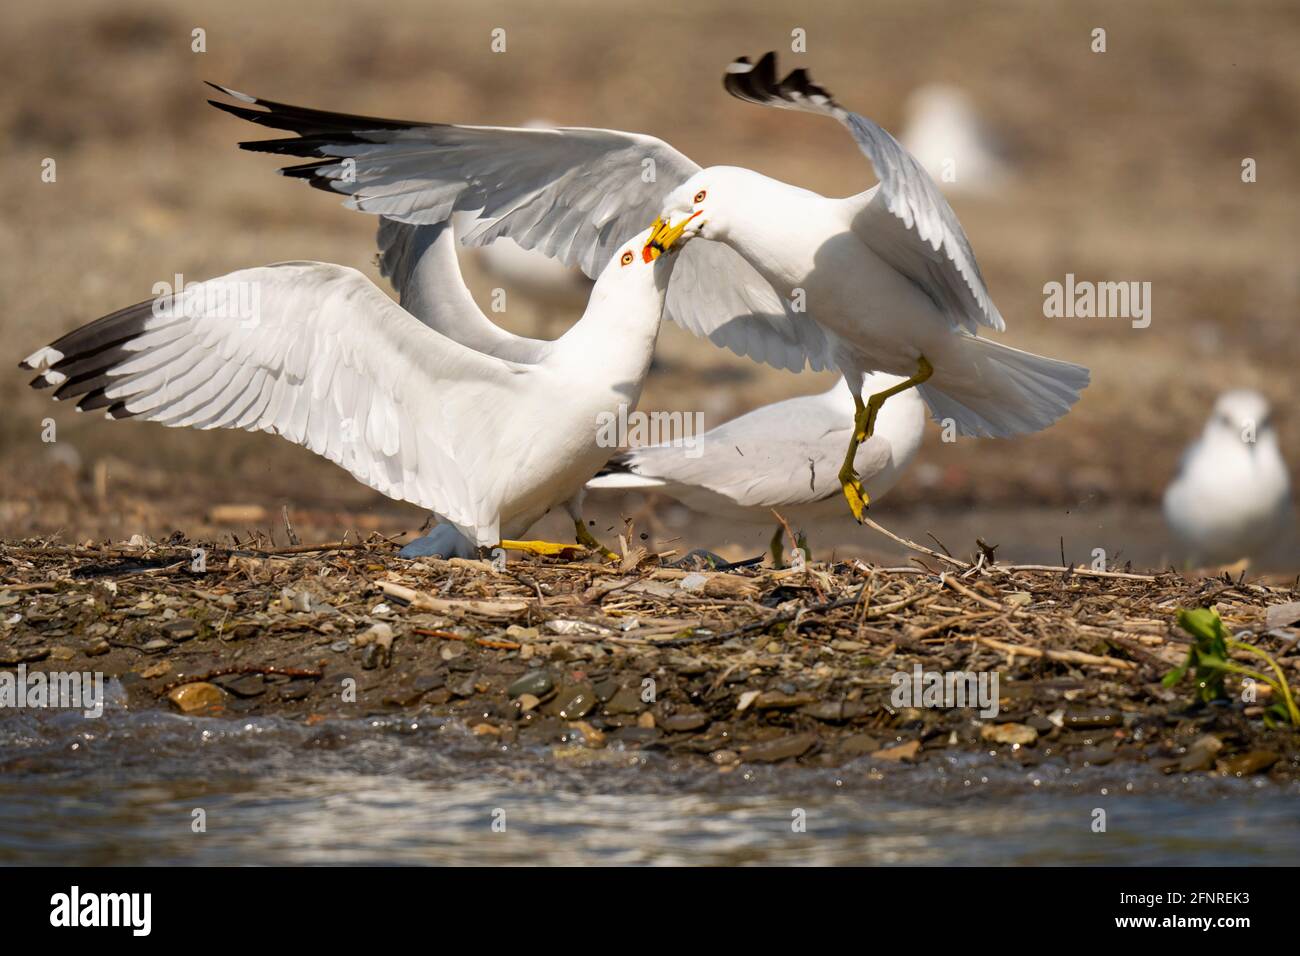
[[905, 219], [786, 453], [570, 193], [421, 263]]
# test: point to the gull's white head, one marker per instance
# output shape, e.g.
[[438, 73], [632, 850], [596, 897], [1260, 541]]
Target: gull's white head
[[701, 206], [628, 272], [1241, 415]]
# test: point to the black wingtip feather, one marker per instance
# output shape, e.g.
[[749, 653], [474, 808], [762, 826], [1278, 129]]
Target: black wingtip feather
[[759, 84]]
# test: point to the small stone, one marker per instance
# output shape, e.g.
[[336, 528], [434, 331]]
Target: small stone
[[452, 649], [626, 700], [249, 685], [573, 701], [646, 720], [181, 629], [156, 670], [1017, 599], [1243, 765], [903, 752], [782, 748], [1200, 754], [538, 683], [592, 737], [98, 648], [694, 582], [60, 653], [298, 690], [1021, 734], [776, 700], [683, 723], [199, 696], [746, 700], [724, 758], [156, 645], [527, 702]]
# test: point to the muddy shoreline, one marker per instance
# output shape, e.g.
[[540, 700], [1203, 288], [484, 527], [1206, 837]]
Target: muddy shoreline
[[595, 660]]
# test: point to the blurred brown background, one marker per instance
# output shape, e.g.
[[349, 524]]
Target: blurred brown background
[[1127, 167]]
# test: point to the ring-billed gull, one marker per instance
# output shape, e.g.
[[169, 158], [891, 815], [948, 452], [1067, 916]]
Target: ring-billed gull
[[887, 277], [781, 457], [1231, 498], [318, 354]]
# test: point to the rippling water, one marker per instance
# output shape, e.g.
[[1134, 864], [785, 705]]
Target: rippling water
[[123, 790]]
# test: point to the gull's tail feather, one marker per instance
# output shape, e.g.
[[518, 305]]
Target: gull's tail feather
[[618, 473], [995, 391]]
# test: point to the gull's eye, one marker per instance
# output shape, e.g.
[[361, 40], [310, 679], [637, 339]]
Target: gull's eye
[[626, 258], [699, 196]]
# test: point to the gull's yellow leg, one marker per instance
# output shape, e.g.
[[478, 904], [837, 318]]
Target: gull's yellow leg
[[540, 547], [588, 540], [864, 425], [854, 493], [778, 549]]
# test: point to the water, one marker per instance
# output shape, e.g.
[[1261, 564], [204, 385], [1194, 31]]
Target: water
[[124, 790]]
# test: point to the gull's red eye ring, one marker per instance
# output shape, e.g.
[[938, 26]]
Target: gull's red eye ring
[[626, 258], [699, 196]]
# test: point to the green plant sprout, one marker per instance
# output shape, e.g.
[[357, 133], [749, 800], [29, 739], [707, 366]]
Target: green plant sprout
[[1209, 662]]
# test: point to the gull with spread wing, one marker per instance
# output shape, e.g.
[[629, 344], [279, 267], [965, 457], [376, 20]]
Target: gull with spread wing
[[487, 436]]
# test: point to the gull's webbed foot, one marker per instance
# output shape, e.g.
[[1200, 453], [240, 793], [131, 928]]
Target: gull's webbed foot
[[854, 493], [545, 548], [444, 541]]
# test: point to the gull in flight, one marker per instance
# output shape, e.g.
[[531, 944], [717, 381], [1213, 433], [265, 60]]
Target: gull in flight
[[781, 457], [1231, 498], [318, 354], [884, 280]]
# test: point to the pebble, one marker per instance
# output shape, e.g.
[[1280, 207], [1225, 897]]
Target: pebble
[[192, 698], [1200, 754], [682, 723], [573, 701], [60, 653], [157, 670], [903, 752], [538, 683], [777, 700], [97, 648], [626, 700], [1021, 734], [156, 645], [181, 629], [782, 748], [1243, 765], [527, 702]]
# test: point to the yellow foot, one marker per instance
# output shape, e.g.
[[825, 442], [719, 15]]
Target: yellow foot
[[542, 547], [854, 494], [588, 540]]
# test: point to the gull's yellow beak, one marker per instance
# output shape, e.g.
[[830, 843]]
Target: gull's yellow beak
[[664, 236]]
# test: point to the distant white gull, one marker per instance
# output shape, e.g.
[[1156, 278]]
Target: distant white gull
[[942, 129], [1231, 498]]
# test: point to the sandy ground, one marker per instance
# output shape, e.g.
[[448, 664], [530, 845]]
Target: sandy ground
[[1128, 168]]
